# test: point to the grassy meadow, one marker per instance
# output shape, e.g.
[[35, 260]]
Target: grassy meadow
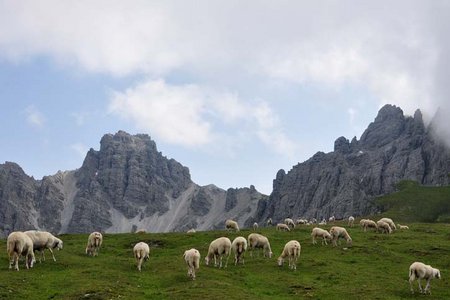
[[375, 267]]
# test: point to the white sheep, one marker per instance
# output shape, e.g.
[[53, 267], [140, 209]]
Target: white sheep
[[301, 221], [94, 242], [402, 226], [331, 219], [141, 252], [231, 225], [351, 220], [384, 227], [140, 231], [258, 241], [192, 230], [390, 222], [219, 248], [44, 240], [419, 271], [269, 222], [367, 223], [337, 232], [239, 246], [192, 258], [319, 232], [289, 222], [292, 251], [323, 222], [255, 226], [17, 244], [281, 226]]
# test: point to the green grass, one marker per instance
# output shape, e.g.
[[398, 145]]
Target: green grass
[[376, 267], [416, 203]]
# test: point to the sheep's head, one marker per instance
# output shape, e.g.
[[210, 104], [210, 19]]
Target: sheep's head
[[437, 273], [280, 261], [207, 260], [59, 244], [269, 254]]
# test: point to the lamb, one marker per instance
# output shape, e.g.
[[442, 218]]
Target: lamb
[[192, 230], [281, 226], [239, 246], [269, 222], [390, 222], [337, 232], [44, 240], [258, 241], [419, 271], [402, 226], [366, 223], [255, 226], [95, 240], [292, 251], [384, 227], [192, 258], [17, 244], [331, 219], [351, 220], [219, 248], [141, 252], [319, 232], [323, 222], [289, 222], [233, 225]]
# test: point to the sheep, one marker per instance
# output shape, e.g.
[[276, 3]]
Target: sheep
[[384, 227], [255, 226], [17, 244], [232, 225], [192, 258], [95, 240], [301, 221], [219, 248], [44, 240], [292, 251], [331, 219], [319, 232], [239, 246], [258, 241], [289, 222], [351, 220], [390, 222], [323, 222], [419, 271], [140, 231], [192, 230], [366, 223], [269, 222], [281, 226], [402, 226], [141, 252], [313, 221], [337, 232]]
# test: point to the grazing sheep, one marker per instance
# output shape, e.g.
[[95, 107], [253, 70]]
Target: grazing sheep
[[232, 225], [44, 240], [219, 248], [313, 221], [192, 258], [269, 222], [390, 222], [255, 226], [239, 246], [384, 227], [281, 226], [289, 222], [140, 231], [95, 240], [258, 241], [17, 244], [192, 230], [366, 223], [323, 222], [301, 221], [292, 251], [402, 226], [141, 252], [337, 232], [351, 220], [331, 219], [419, 271], [319, 232]]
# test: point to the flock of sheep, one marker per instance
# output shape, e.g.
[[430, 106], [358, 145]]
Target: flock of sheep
[[26, 243]]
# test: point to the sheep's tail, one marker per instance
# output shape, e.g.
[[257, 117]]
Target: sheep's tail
[[197, 263], [413, 274]]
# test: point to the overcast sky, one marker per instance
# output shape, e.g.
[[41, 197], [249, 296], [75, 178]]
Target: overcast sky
[[234, 90]]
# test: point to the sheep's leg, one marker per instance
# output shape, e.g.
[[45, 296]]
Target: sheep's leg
[[410, 285], [226, 262], [427, 287], [51, 251], [420, 286], [16, 259]]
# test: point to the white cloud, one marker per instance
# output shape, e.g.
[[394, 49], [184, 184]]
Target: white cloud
[[80, 149], [34, 116]]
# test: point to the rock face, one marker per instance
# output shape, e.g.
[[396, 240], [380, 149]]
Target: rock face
[[125, 185], [346, 181]]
